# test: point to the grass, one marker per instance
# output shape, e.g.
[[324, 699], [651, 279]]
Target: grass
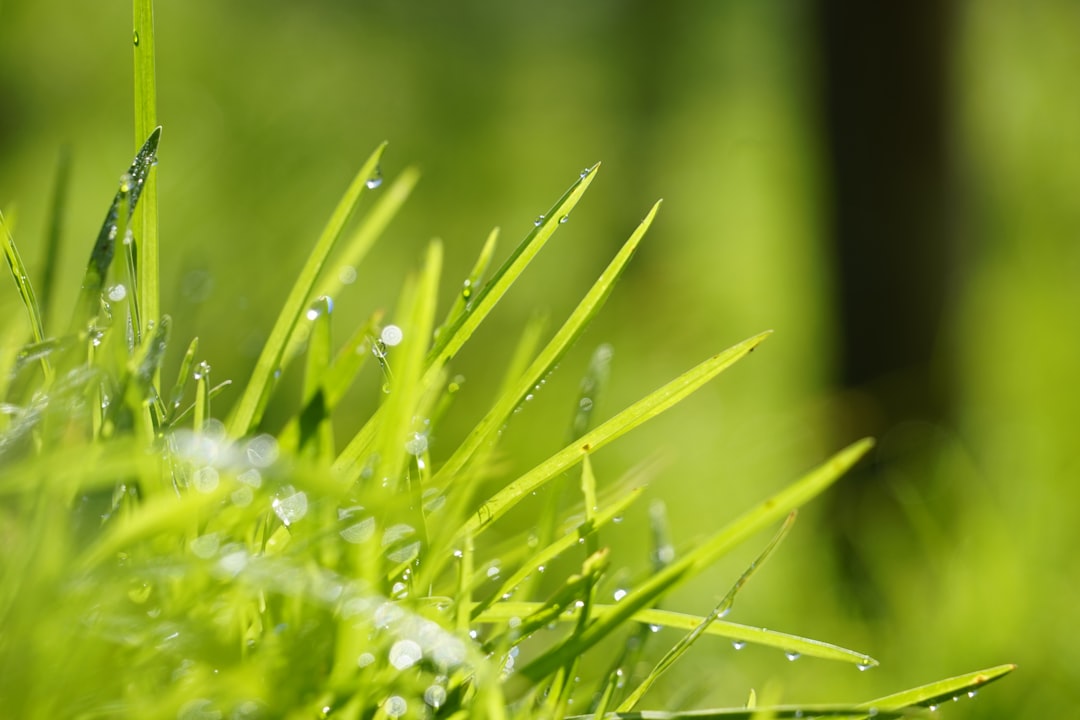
[[170, 563]]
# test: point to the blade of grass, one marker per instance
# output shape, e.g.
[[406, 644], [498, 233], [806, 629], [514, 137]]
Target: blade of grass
[[777, 506], [316, 428], [718, 612], [144, 224], [938, 692], [808, 647], [645, 409], [125, 202], [779, 711], [570, 331], [418, 317], [176, 395], [26, 289], [57, 212], [248, 410], [475, 280]]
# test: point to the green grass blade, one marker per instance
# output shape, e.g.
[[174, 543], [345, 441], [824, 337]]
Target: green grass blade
[[356, 247], [939, 692], [417, 309], [638, 598], [718, 612], [315, 424], [249, 409], [475, 280], [452, 340], [786, 642], [784, 712], [22, 282], [645, 409], [57, 213], [573, 327], [144, 223], [176, 395], [126, 201], [595, 379]]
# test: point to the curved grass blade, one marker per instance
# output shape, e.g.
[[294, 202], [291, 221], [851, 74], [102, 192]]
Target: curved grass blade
[[938, 692], [645, 409], [356, 247], [769, 511], [131, 188], [57, 212], [144, 224], [579, 319], [248, 411], [718, 612], [26, 289]]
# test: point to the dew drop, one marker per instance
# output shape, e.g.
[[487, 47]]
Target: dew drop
[[563, 219], [933, 708], [584, 173], [863, 667], [405, 653], [435, 696], [117, 293], [262, 451], [493, 572], [619, 594], [395, 705], [538, 221], [291, 507], [738, 644], [206, 479], [135, 37], [125, 187], [347, 275], [365, 659], [391, 335], [654, 628], [417, 444], [972, 693], [792, 656], [375, 180], [201, 370]]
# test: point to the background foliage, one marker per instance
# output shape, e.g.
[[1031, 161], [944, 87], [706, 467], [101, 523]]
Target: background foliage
[[961, 553]]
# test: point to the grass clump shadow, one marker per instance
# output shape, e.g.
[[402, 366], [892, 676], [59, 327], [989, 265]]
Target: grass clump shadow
[[164, 562]]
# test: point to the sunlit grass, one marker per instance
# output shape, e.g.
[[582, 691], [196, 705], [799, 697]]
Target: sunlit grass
[[167, 563]]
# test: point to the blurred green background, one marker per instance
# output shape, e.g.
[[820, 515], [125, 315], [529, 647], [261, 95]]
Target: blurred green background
[[893, 189]]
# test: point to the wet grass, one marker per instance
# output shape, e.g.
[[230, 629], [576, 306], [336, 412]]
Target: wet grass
[[167, 561]]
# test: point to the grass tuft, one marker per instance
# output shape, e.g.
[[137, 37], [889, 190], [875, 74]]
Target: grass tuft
[[169, 564]]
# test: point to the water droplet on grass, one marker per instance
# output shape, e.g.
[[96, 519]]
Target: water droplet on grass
[[347, 275], [375, 180], [792, 656], [202, 370], [206, 479], [972, 693], [563, 219], [391, 335], [654, 628], [863, 667], [262, 451], [738, 644], [405, 653], [619, 594], [135, 38], [539, 221], [365, 659], [291, 507], [417, 444], [435, 696], [395, 542], [117, 293]]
